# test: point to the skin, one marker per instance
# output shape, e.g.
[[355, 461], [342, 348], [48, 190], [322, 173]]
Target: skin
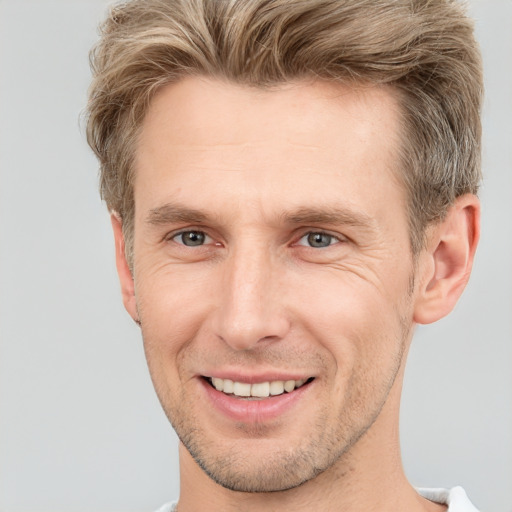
[[254, 173]]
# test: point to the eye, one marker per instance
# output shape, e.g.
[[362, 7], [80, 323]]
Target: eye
[[191, 238], [318, 240]]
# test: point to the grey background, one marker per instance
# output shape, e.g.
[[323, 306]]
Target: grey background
[[80, 427]]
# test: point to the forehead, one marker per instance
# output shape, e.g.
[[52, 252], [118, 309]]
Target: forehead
[[304, 141], [199, 109]]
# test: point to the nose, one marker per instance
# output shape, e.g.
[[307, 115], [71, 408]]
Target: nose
[[251, 308]]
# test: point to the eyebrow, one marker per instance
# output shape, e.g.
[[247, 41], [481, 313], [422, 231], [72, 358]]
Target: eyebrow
[[329, 215], [170, 213]]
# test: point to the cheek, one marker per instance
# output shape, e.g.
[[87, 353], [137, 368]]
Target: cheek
[[170, 316], [356, 321], [172, 306]]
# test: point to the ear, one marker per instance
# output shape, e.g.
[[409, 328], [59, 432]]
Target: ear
[[123, 269], [445, 266]]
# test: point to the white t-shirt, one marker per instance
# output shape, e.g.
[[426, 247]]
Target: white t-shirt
[[455, 498]]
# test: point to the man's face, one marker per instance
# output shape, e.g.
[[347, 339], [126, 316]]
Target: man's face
[[271, 250]]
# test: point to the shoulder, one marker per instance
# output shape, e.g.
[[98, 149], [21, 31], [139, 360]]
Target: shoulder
[[167, 507], [455, 498]]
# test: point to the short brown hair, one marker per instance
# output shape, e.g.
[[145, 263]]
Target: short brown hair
[[424, 50]]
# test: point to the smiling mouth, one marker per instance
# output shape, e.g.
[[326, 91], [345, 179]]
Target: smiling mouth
[[258, 390]]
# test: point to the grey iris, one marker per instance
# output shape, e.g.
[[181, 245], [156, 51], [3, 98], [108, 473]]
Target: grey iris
[[192, 238], [319, 240]]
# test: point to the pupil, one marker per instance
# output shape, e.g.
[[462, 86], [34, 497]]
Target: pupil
[[193, 238], [319, 240]]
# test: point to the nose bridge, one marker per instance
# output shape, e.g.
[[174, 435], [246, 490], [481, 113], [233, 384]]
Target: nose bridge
[[250, 310]]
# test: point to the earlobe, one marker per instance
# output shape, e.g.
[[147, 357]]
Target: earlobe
[[445, 266], [123, 269]]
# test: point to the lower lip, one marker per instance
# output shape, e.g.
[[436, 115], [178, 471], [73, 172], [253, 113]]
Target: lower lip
[[253, 411]]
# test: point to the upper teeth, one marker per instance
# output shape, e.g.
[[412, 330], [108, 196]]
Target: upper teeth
[[258, 389]]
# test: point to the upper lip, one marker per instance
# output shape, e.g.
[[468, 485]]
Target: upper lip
[[252, 378]]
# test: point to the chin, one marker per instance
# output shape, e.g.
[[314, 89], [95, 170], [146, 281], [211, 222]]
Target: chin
[[264, 465], [275, 475]]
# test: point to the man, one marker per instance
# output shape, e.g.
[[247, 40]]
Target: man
[[292, 187]]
